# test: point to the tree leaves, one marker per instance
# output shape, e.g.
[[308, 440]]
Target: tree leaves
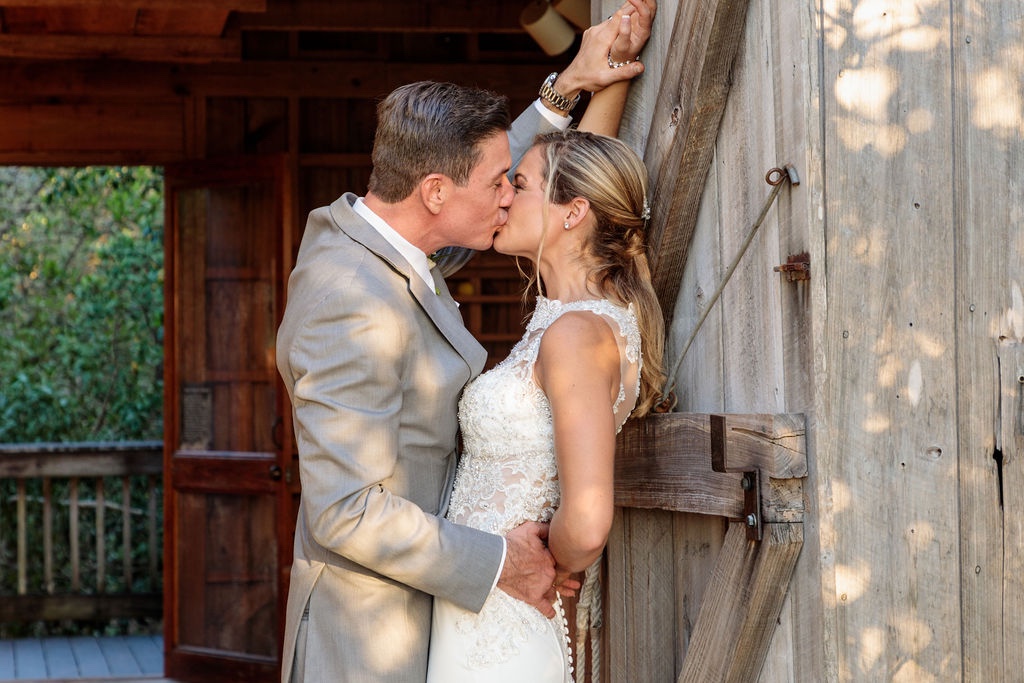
[[81, 304]]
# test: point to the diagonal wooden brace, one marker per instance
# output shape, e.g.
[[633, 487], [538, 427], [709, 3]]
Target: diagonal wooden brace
[[733, 466]]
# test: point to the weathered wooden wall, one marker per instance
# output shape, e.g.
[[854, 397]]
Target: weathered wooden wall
[[905, 349], [988, 316], [754, 352]]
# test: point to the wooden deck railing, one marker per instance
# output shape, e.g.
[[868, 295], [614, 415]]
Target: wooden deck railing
[[57, 498]]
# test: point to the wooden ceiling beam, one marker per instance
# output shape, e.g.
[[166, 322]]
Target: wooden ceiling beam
[[85, 80], [184, 5], [490, 16], [127, 48]]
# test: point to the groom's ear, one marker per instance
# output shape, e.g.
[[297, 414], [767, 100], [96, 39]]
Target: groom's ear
[[434, 191]]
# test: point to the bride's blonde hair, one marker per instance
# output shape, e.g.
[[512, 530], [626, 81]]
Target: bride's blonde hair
[[613, 179]]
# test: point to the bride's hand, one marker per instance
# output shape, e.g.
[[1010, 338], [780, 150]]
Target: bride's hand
[[565, 584]]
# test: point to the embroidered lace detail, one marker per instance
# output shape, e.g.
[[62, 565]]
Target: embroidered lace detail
[[508, 473]]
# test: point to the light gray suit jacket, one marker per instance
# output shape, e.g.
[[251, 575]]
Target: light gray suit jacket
[[374, 363]]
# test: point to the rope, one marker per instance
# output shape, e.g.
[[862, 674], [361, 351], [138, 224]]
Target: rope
[[596, 622], [588, 620], [775, 178]]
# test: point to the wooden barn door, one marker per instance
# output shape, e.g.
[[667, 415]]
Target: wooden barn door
[[227, 441]]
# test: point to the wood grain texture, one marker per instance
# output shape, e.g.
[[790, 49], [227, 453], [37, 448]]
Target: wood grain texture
[[889, 448], [742, 603], [678, 188], [989, 328]]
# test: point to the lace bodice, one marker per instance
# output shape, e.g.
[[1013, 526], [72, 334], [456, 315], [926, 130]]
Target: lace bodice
[[508, 472]]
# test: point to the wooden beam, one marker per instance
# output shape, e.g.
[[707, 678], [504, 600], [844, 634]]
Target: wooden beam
[[494, 16], [128, 48], [741, 605], [25, 608], [22, 80], [129, 459], [773, 444], [184, 5], [680, 179], [665, 461]]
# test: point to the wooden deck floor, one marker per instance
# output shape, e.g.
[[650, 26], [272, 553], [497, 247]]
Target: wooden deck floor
[[82, 659]]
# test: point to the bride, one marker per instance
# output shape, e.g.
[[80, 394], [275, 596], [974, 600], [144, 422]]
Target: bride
[[539, 428]]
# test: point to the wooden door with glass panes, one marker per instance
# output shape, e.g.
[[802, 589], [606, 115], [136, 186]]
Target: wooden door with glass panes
[[229, 501]]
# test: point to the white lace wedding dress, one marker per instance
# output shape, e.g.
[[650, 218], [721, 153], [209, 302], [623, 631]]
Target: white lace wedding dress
[[507, 476]]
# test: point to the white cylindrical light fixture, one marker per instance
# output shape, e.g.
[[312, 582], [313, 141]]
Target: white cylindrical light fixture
[[547, 27], [576, 11]]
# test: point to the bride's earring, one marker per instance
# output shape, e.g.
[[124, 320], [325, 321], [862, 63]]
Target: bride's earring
[[565, 225]]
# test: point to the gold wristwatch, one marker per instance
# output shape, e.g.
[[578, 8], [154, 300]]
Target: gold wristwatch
[[555, 98]]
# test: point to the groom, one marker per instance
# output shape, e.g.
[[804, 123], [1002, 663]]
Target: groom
[[374, 354]]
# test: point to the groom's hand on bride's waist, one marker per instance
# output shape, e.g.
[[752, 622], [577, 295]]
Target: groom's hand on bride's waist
[[529, 571]]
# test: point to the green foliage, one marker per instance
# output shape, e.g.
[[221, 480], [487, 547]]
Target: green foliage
[[81, 350], [81, 304]]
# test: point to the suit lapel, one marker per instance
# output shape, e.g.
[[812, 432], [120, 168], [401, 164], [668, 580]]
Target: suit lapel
[[438, 304], [448, 313]]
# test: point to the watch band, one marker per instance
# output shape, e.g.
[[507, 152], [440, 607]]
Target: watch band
[[553, 97]]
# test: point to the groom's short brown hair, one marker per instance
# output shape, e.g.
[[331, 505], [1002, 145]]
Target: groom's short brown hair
[[428, 127]]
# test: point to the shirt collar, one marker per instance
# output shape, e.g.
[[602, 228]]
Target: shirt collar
[[413, 254]]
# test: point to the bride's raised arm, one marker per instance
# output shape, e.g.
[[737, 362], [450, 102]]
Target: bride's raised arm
[[604, 112]]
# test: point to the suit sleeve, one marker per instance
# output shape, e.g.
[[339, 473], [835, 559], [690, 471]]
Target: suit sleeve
[[349, 360], [525, 128]]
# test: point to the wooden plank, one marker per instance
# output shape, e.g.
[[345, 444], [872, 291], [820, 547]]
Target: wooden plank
[[177, 49], [664, 461], [60, 660], [29, 659], [751, 333], [221, 472], [989, 307], [680, 43], [22, 608], [148, 652], [31, 466], [89, 656], [119, 656], [888, 429], [773, 444], [495, 16], [641, 613], [184, 5], [698, 541], [207, 22], [720, 611], [764, 596], [101, 537], [22, 517], [679, 477], [73, 539], [48, 535], [677, 192], [152, 126], [798, 652], [1010, 442], [6, 660], [741, 605], [339, 80], [69, 21]]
